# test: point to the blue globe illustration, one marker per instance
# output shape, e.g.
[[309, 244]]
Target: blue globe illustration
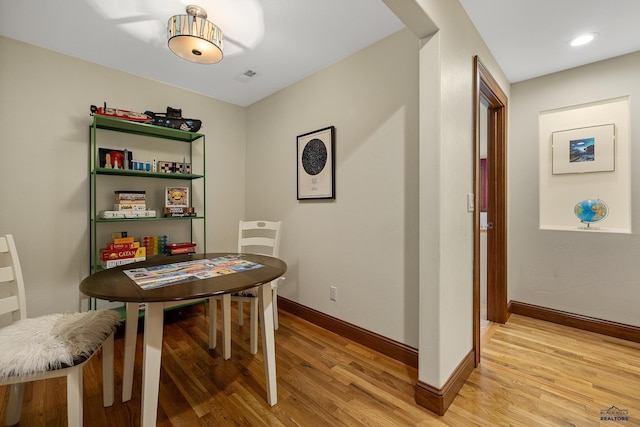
[[591, 210]]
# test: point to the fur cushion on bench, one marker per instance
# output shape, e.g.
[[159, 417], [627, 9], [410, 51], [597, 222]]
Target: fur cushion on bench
[[54, 341]]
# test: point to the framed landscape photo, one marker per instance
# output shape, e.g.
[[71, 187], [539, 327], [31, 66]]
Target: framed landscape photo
[[316, 164], [582, 150]]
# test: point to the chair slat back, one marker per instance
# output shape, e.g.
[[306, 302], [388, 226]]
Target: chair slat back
[[259, 237], [12, 301]]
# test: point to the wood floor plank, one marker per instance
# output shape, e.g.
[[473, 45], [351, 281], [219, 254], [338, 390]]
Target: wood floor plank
[[532, 373]]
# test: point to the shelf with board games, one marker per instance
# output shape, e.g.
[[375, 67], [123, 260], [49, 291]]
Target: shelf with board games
[[147, 192]]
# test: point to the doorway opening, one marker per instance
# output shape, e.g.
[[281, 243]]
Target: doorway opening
[[490, 214]]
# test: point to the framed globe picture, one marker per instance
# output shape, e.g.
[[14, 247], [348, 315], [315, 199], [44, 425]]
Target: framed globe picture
[[316, 164]]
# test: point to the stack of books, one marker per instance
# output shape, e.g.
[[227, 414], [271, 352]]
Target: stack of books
[[178, 212], [129, 204], [130, 201], [181, 248], [123, 250]]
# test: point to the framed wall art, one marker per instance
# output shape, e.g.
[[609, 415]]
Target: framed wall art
[[581, 150], [316, 164]]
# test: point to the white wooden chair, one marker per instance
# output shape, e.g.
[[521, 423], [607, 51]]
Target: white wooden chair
[[49, 346], [255, 237]]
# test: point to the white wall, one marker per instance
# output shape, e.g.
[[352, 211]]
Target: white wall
[[365, 241], [398, 240], [44, 138], [591, 274], [559, 193], [446, 245]]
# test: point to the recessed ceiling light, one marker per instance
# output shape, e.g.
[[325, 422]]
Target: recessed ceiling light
[[583, 39]]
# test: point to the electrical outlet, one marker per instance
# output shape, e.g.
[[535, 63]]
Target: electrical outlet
[[333, 293]]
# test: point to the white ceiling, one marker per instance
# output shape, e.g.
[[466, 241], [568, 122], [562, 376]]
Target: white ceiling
[[284, 41], [530, 38]]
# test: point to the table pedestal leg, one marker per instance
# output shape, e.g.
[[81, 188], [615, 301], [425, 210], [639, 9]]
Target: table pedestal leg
[[268, 341], [153, 324]]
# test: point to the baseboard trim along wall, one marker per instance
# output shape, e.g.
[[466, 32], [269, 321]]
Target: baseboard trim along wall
[[394, 349], [438, 400], [592, 324]]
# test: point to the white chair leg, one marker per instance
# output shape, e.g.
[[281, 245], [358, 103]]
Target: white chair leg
[[74, 397], [130, 335], [107, 372], [213, 322], [240, 313], [16, 391], [274, 302], [254, 325], [226, 326]]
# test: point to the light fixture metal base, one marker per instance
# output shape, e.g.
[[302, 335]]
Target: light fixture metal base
[[196, 11]]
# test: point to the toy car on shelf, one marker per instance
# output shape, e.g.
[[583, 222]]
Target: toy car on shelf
[[173, 119]]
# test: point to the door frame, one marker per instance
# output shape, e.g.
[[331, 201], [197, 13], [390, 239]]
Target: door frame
[[486, 87]]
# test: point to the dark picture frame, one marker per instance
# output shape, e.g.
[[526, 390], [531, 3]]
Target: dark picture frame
[[316, 164]]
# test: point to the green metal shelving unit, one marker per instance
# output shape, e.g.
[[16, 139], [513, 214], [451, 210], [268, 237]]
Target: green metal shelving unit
[[95, 172]]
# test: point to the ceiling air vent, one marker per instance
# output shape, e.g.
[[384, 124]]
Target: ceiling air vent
[[246, 76]]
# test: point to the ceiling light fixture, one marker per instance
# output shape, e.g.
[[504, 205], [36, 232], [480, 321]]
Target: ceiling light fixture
[[583, 39], [194, 38]]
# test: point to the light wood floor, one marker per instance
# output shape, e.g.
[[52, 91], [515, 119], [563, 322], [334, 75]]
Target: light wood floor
[[532, 373]]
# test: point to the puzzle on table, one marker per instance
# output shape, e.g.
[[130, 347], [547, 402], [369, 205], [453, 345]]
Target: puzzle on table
[[180, 272]]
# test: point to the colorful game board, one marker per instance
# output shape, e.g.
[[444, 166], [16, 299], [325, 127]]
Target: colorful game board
[[180, 272]]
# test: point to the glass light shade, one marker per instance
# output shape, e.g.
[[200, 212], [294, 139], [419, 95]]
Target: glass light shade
[[194, 38]]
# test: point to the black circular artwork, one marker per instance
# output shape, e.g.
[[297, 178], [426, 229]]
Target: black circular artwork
[[314, 156]]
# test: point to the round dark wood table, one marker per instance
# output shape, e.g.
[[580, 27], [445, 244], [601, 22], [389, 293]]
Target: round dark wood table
[[115, 285]]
